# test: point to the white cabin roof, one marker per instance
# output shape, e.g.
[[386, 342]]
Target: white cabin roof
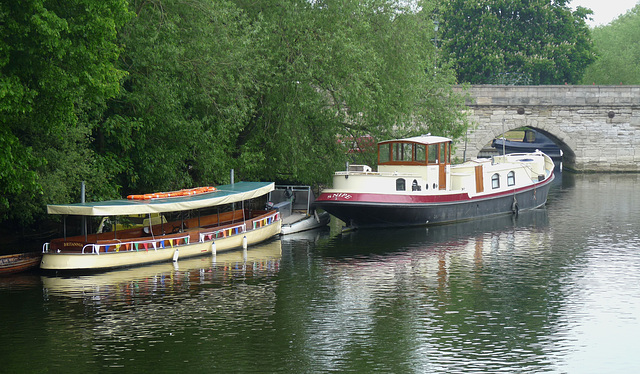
[[424, 139]]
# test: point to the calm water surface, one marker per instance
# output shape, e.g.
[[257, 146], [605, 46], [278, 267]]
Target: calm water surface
[[556, 290]]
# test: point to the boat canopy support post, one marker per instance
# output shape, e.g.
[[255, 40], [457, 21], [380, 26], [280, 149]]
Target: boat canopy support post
[[84, 218]]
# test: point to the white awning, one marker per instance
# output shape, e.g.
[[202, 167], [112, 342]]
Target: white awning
[[225, 194]]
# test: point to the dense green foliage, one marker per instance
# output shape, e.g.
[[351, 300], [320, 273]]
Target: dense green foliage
[[516, 41], [618, 48], [57, 68], [138, 96]]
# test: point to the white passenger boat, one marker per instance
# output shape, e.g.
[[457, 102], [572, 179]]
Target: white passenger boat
[[227, 217], [416, 184]]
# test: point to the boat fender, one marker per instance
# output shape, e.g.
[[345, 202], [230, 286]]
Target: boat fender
[[514, 207], [175, 255]]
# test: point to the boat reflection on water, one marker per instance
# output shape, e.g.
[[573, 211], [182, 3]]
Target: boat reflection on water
[[390, 242], [435, 255], [258, 261]]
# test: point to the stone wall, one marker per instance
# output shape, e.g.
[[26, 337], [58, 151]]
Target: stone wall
[[597, 127]]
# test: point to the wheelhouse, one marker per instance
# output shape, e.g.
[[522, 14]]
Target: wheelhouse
[[424, 150]]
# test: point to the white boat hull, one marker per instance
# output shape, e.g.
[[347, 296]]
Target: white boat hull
[[306, 223]]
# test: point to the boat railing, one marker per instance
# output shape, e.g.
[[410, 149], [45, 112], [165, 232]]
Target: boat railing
[[379, 173], [257, 223], [136, 245], [223, 232], [45, 248]]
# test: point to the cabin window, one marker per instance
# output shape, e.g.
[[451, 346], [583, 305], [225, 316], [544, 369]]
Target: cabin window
[[402, 151], [443, 154], [383, 153], [446, 158], [415, 186], [529, 136], [421, 153], [511, 178], [495, 181], [433, 154], [400, 184]]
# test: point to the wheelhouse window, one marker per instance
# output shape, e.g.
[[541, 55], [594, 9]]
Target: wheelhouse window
[[445, 153], [400, 184], [411, 153], [511, 178], [383, 153], [433, 154], [402, 151], [495, 181], [421, 153]]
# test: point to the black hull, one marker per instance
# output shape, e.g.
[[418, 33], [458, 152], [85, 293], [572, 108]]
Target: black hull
[[553, 152], [377, 214]]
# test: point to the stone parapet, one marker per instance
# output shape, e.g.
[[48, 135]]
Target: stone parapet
[[598, 127]]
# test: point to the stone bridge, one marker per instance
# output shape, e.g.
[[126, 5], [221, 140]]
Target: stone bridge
[[597, 127]]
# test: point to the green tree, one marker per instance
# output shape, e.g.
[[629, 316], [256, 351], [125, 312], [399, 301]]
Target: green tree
[[618, 48], [189, 91], [516, 41], [56, 69], [342, 71]]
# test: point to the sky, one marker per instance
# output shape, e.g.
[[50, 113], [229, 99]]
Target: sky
[[604, 11]]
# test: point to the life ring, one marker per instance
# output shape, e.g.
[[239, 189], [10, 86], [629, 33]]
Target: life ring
[[180, 193]]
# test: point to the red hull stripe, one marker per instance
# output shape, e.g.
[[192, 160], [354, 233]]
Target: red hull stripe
[[419, 199]]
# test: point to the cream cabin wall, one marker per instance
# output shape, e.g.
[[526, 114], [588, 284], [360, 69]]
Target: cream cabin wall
[[425, 175], [523, 176], [463, 178], [362, 182]]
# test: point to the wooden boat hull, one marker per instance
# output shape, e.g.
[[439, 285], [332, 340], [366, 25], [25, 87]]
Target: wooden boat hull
[[16, 263], [110, 260], [370, 210]]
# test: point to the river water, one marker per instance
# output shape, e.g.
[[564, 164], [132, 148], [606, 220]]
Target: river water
[[556, 290]]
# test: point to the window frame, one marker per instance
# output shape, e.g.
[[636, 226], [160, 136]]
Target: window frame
[[511, 178], [495, 181]]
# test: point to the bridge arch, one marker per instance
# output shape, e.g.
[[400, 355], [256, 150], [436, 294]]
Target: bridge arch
[[597, 127]]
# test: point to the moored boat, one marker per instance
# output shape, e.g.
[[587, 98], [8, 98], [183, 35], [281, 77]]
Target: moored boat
[[261, 258], [531, 141], [416, 184], [219, 226], [19, 262], [297, 207]]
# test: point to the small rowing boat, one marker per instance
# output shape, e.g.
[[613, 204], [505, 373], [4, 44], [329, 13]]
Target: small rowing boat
[[16, 263]]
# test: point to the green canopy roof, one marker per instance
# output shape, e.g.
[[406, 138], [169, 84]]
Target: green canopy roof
[[224, 194]]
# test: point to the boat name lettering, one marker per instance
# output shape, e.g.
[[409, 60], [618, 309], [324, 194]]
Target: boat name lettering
[[337, 196], [72, 244]]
